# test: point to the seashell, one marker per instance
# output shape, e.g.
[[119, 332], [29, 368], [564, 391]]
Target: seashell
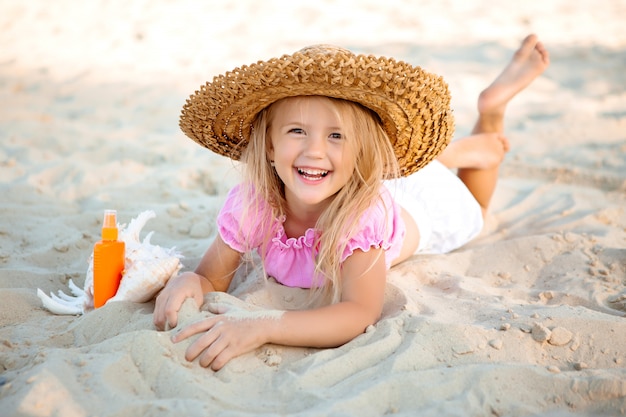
[[147, 269]]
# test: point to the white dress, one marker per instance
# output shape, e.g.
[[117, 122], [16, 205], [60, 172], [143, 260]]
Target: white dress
[[446, 213]]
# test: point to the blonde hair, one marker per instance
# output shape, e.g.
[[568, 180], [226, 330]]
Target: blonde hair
[[375, 160]]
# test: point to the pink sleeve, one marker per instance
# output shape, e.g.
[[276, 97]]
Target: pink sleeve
[[241, 235], [381, 227]]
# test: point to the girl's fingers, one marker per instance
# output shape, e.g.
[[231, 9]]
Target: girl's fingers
[[205, 343], [219, 308], [216, 349], [165, 312], [194, 328], [170, 312], [220, 339]]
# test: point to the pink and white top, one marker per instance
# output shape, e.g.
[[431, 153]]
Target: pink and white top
[[291, 260]]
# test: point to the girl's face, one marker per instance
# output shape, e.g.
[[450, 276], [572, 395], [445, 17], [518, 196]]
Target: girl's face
[[310, 151]]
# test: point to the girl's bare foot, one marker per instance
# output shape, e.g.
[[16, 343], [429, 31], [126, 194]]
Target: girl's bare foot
[[478, 157], [479, 151], [528, 62]]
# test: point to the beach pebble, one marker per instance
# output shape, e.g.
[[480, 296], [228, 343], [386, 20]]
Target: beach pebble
[[546, 295], [505, 326], [560, 336], [504, 275], [525, 328], [579, 366], [540, 332], [462, 349], [554, 369], [61, 247], [496, 344]]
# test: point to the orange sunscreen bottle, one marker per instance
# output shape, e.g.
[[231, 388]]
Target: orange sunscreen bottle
[[108, 261]]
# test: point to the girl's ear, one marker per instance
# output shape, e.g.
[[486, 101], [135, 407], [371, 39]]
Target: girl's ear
[[270, 152]]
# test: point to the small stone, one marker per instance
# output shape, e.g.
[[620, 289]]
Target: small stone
[[525, 328], [534, 316], [560, 336], [505, 326], [462, 349], [496, 344], [579, 366], [540, 332], [575, 344], [553, 369], [61, 247]]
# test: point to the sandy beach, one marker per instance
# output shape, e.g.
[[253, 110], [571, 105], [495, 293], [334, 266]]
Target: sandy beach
[[527, 320]]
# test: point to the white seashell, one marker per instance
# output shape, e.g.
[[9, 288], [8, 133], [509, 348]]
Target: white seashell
[[58, 306], [148, 267]]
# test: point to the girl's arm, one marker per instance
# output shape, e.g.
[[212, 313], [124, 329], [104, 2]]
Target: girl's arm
[[214, 273], [363, 275]]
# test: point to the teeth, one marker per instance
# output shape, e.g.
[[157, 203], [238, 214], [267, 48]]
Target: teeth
[[316, 173]]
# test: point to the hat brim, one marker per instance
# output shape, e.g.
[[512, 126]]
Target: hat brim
[[413, 105]]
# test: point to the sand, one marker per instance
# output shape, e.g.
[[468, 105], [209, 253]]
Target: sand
[[529, 319]]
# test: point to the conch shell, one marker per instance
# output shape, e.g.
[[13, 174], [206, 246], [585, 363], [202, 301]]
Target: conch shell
[[148, 267]]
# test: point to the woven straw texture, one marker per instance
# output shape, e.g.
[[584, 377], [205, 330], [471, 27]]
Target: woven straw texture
[[413, 105]]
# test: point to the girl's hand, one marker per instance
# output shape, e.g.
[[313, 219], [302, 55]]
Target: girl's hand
[[172, 297], [227, 336]]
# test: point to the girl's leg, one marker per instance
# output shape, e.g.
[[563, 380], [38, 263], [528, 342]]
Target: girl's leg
[[478, 156]]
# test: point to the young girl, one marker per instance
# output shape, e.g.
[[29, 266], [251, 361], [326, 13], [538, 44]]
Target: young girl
[[340, 183]]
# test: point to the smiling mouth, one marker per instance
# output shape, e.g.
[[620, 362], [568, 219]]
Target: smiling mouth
[[312, 174]]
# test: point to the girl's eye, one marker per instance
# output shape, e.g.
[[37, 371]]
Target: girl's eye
[[296, 130], [336, 136]]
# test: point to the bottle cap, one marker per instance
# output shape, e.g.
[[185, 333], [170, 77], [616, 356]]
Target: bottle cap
[[109, 225]]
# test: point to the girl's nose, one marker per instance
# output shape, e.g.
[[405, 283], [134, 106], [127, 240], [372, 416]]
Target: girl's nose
[[316, 146]]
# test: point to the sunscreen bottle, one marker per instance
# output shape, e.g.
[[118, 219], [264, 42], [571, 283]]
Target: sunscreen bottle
[[108, 261]]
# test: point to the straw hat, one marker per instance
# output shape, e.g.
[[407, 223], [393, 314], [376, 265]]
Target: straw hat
[[413, 105]]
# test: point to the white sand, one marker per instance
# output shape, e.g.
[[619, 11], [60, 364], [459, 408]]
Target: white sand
[[527, 320]]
